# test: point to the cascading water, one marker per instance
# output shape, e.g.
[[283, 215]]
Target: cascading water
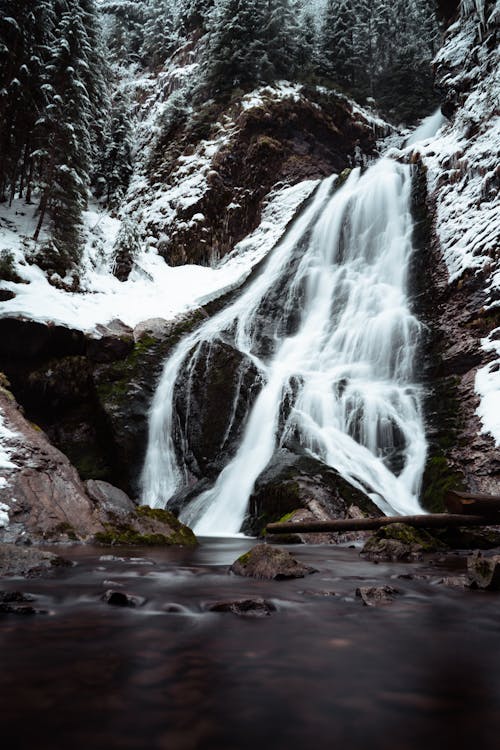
[[337, 369]]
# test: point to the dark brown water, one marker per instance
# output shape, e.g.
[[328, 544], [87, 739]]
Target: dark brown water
[[323, 671]]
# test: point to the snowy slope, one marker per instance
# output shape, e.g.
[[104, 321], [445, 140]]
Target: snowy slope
[[153, 289], [464, 175]]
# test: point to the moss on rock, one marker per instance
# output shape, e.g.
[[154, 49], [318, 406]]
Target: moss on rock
[[148, 527]]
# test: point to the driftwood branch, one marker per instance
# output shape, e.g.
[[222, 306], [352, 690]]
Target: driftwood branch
[[429, 521]]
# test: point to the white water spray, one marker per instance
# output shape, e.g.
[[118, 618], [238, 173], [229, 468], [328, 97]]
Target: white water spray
[[347, 369]]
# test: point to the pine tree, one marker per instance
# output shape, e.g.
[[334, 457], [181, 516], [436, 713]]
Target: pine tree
[[24, 35], [159, 33], [115, 166], [336, 47], [65, 128]]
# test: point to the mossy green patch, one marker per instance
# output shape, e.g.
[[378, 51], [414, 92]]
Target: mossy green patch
[[410, 536], [149, 527]]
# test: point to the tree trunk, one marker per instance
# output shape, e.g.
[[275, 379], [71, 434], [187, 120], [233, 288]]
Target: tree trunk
[[429, 521]]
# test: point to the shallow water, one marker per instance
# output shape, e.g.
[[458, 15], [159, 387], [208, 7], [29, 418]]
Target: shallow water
[[322, 671]]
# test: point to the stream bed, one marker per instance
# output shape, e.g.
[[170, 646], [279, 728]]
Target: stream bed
[[322, 671]]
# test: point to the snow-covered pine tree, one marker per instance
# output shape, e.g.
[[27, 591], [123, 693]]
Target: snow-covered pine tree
[[64, 130], [115, 166], [336, 44], [160, 36], [123, 22], [235, 52], [24, 36]]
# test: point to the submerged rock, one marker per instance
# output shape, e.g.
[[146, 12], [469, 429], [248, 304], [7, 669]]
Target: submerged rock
[[17, 603], [245, 607], [271, 563], [123, 599], [484, 572], [399, 541]]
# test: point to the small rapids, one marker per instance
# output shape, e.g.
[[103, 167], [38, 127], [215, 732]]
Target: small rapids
[[337, 366]]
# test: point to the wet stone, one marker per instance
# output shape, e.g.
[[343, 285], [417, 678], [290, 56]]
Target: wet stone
[[270, 563], [17, 603], [484, 572], [244, 607], [377, 596], [123, 599]]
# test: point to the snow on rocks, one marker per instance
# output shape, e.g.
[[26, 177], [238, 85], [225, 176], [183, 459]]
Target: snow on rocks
[[463, 181], [153, 289]]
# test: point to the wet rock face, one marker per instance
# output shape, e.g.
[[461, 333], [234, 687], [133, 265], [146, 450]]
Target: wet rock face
[[293, 481], [44, 494], [213, 395], [271, 563], [460, 457], [91, 395]]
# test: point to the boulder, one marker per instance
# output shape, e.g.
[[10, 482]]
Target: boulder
[[377, 596], [44, 494], [18, 560], [399, 542], [484, 572], [292, 482], [110, 499], [270, 563], [17, 603], [213, 380], [145, 526], [112, 342]]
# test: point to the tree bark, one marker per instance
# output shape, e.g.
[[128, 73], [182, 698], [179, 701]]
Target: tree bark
[[429, 521]]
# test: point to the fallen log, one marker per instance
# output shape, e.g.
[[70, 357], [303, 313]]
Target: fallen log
[[472, 503], [429, 521]]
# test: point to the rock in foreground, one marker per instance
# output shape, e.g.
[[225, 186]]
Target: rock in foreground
[[27, 561], [376, 596], [147, 526], [244, 607], [484, 572], [270, 563]]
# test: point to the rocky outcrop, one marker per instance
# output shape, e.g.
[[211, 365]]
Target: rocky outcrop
[[44, 498], [91, 394], [204, 186], [460, 296], [44, 494]]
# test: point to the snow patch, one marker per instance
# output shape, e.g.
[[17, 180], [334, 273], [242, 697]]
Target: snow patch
[[487, 386], [153, 289]]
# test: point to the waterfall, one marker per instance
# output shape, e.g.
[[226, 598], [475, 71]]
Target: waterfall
[[337, 364]]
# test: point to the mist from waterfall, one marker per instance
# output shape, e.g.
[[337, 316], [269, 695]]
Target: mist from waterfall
[[340, 382]]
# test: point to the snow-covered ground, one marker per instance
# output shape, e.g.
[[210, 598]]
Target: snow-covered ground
[[153, 289]]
